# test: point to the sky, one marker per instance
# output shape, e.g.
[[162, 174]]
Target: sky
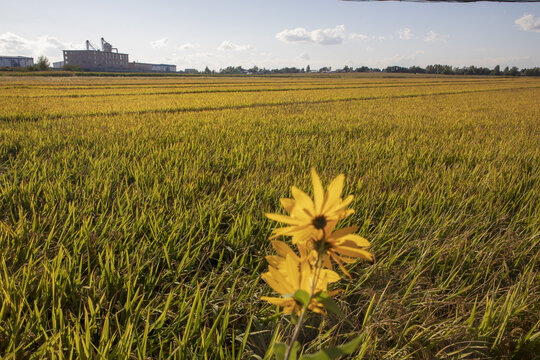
[[279, 33]]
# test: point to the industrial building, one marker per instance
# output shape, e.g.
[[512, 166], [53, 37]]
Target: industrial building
[[109, 59], [163, 68], [137, 66], [16, 61], [92, 59], [146, 67]]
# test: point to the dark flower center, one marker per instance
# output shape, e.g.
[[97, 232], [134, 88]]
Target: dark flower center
[[322, 246], [319, 222]]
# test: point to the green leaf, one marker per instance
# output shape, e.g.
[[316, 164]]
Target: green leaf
[[335, 351], [294, 350], [281, 348], [302, 297], [331, 305]]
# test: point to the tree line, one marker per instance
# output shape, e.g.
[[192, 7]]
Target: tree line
[[43, 64], [430, 69]]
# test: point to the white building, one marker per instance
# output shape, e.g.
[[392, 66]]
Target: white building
[[58, 65], [16, 61], [163, 67]]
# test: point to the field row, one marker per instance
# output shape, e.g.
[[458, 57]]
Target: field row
[[88, 88], [19, 109], [26, 95]]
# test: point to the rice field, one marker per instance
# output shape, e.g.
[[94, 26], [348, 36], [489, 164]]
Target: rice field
[[132, 213]]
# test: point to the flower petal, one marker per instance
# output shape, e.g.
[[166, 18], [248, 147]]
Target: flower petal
[[355, 239], [336, 258], [342, 232], [284, 219], [283, 250], [288, 204], [291, 267], [334, 192], [278, 284], [278, 301], [330, 276], [354, 252], [306, 274], [303, 203], [318, 192]]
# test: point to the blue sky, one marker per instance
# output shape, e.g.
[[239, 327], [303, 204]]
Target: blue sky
[[278, 33]]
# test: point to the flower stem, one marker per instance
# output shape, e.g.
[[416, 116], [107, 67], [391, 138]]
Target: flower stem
[[305, 308]]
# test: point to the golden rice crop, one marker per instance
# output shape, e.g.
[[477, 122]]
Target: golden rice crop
[[132, 213]]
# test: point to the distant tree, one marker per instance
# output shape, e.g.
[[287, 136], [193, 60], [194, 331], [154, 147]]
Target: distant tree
[[496, 70], [233, 70], [396, 69], [207, 70], [439, 69], [42, 63], [308, 69], [531, 72], [514, 71], [362, 69], [416, 70]]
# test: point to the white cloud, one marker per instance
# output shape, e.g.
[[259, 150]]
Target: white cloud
[[304, 56], [227, 45], [432, 36], [13, 44], [358, 36], [294, 35], [189, 45], [330, 36], [529, 22], [381, 38], [161, 43], [404, 34], [402, 60]]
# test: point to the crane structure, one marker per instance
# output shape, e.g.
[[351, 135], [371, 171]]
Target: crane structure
[[89, 45], [106, 47]]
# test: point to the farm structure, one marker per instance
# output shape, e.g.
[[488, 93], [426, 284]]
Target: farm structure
[[144, 67], [92, 59], [109, 59], [163, 67], [16, 61]]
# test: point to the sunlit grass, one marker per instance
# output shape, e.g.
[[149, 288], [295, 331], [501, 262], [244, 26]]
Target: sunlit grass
[[133, 226]]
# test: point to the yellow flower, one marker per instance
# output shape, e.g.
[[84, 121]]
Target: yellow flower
[[291, 273], [283, 250], [342, 246], [310, 219]]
